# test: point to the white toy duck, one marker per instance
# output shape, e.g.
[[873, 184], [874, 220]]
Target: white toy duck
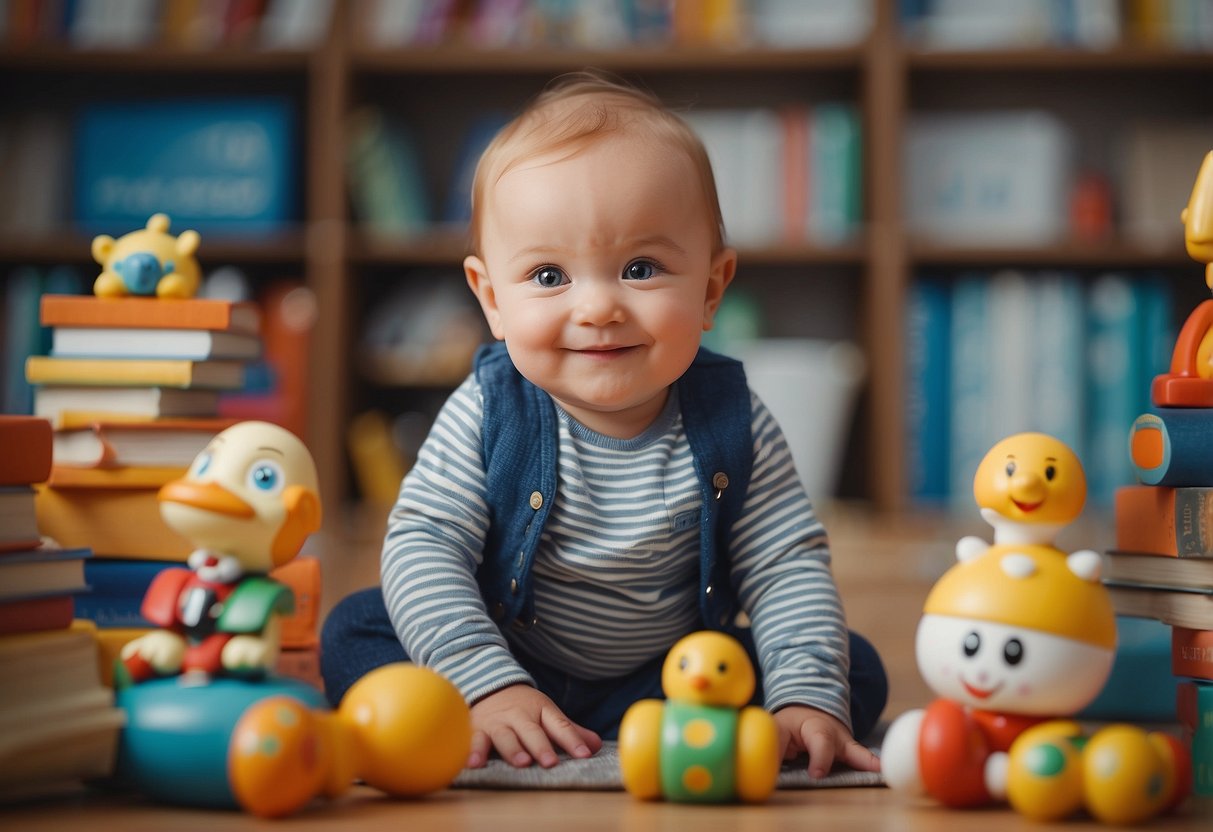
[[706, 744], [248, 502]]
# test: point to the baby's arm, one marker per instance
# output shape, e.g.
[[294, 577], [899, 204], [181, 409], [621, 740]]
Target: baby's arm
[[522, 724], [823, 738]]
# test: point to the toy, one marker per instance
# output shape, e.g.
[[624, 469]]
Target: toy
[[270, 747], [249, 500], [149, 261], [1190, 380], [703, 745], [1011, 636]]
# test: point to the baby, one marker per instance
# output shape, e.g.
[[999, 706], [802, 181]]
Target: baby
[[600, 486]]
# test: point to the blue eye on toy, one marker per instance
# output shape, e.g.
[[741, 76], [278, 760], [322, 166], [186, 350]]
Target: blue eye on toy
[[266, 475], [202, 463]]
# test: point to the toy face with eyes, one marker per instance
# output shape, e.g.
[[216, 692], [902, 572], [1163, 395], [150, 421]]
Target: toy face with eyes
[[1009, 669], [1031, 478], [252, 493], [708, 668]]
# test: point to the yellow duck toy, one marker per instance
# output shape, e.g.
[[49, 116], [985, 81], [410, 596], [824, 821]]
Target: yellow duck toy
[[248, 502], [705, 744]]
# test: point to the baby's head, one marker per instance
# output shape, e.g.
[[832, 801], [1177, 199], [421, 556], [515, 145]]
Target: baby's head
[[578, 110], [598, 250]]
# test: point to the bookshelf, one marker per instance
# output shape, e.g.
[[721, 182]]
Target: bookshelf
[[855, 290]]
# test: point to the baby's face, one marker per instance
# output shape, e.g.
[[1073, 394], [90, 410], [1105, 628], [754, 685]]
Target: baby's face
[[598, 273]]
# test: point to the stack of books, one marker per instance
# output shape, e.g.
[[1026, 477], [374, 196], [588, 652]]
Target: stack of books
[[1162, 568], [133, 386], [132, 389], [58, 723]]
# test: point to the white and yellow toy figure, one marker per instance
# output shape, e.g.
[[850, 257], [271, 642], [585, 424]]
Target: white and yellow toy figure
[[1015, 634], [705, 744], [147, 262], [248, 501]]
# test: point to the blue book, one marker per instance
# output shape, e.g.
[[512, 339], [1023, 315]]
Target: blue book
[[928, 333], [1114, 358], [1058, 359], [220, 166], [22, 337], [1140, 686], [117, 590], [834, 173], [971, 393]]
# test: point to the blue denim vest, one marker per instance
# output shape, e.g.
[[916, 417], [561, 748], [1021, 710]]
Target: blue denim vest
[[520, 446]]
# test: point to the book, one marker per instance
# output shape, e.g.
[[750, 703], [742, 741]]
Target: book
[[233, 172], [58, 723], [74, 406], [1113, 387], [928, 326], [42, 571], [1160, 160], [970, 373], [22, 337], [1058, 348], [163, 443], [1168, 446], [994, 178], [128, 477], [1158, 520], [18, 521], [112, 522], [1187, 608], [220, 375], [387, 181], [1158, 571], [150, 313], [835, 173], [27, 615], [1192, 653], [1012, 393], [137, 342], [26, 441], [1194, 703]]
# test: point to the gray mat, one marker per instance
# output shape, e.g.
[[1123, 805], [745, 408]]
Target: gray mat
[[601, 773]]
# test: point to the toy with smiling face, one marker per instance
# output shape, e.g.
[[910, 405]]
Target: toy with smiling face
[[149, 261], [705, 744], [248, 501], [1013, 635]]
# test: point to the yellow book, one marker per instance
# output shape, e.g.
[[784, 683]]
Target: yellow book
[[128, 477], [152, 372], [113, 522]]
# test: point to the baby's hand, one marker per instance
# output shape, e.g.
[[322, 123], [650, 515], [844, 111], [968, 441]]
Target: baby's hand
[[802, 728], [522, 723]]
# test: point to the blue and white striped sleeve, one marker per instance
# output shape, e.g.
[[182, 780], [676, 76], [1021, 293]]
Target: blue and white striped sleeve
[[434, 544], [781, 568]]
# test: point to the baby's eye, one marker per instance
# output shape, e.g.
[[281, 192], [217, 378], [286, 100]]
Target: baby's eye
[[640, 270], [549, 277]]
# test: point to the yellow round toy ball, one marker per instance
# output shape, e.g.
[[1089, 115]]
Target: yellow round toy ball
[[1126, 778], [414, 729], [1044, 772]]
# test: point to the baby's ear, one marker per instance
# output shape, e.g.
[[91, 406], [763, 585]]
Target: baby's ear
[[724, 266], [478, 279]]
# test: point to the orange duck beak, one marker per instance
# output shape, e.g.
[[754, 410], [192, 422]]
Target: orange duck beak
[[209, 496]]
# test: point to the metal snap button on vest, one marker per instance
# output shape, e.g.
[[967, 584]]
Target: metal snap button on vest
[[513, 586], [707, 590], [519, 624], [720, 481], [536, 500]]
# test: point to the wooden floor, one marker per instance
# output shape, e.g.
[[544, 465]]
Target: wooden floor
[[884, 569]]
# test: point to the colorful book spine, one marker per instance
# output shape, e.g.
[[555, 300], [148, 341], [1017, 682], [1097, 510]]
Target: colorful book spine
[[1171, 447], [1192, 653], [153, 313], [27, 443], [1195, 707], [1158, 520], [928, 323]]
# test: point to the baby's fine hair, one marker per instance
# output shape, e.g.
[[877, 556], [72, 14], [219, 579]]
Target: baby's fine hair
[[576, 110]]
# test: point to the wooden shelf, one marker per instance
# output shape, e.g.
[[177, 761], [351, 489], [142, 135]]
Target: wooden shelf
[[73, 248], [1125, 57], [59, 58], [552, 59], [1109, 254]]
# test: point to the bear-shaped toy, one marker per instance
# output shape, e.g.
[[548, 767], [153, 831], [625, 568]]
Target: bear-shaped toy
[[148, 262]]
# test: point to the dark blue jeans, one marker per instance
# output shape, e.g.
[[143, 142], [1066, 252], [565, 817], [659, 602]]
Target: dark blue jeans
[[358, 637]]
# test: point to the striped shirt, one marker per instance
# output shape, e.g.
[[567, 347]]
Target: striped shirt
[[616, 575]]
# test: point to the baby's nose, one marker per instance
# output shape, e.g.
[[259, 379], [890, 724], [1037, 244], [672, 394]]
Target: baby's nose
[[598, 304]]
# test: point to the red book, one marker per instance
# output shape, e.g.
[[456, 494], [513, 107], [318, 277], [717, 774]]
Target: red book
[[27, 615], [1157, 520], [150, 313], [1192, 653], [27, 444]]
